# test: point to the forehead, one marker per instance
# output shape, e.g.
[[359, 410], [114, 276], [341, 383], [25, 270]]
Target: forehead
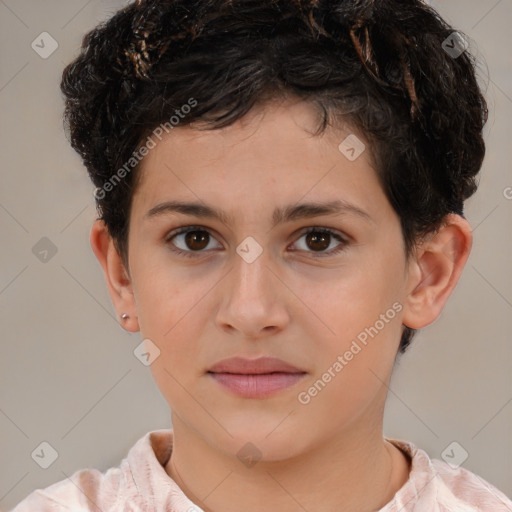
[[271, 155]]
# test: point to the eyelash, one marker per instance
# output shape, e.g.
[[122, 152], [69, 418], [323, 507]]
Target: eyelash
[[195, 254]]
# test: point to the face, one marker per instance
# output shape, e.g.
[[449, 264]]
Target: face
[[322, 292]]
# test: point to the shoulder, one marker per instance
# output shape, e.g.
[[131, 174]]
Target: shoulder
[[85, 490], [435, 485], [91, 490], [471, 489]]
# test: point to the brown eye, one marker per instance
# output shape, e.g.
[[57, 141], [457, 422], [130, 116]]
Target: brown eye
[[197, 240], [190, 240], [194, 241], [317, 240]]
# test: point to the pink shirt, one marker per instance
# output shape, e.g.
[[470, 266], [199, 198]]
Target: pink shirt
[[140, 483]]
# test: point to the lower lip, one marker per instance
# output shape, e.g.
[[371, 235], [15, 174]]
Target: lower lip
[[257, 386]]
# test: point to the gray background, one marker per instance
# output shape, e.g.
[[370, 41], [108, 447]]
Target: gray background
[[67, 370]]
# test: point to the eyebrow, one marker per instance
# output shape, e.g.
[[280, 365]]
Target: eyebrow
[[281, 215]]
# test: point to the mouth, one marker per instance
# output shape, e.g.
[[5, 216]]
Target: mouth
[[255, 378]]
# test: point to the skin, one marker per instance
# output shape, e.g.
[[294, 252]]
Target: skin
[[291, 302]]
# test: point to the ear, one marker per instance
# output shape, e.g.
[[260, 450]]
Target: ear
[[117, 277], [435, 270]]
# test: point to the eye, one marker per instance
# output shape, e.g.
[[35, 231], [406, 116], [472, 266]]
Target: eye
[[196, 238], [320, 239]]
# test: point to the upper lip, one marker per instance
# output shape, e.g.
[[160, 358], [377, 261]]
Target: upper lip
[[253, 366]]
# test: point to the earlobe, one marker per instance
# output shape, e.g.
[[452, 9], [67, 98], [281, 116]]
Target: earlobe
[[435, 271], [117, 277]]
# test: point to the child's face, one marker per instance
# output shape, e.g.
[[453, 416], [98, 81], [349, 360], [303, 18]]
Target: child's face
[[297, 301]]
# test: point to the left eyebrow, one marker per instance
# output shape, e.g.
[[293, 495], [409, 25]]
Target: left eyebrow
[[281, 215]]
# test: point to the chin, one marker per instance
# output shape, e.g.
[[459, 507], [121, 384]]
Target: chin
[[271, 440]]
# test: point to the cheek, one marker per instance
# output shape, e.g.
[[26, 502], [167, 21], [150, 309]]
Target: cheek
[[173, 316], [352, 369], [342, 302], [357, 317], [172, 313], [163, 294]]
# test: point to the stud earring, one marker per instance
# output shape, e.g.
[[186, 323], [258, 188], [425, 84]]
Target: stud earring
[[124, 316]]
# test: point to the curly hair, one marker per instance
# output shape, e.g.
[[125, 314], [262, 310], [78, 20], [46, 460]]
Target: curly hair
[[380, 66]]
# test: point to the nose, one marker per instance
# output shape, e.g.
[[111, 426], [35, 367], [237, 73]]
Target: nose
[[254, 299]]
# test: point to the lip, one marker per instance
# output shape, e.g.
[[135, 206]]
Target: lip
[[241, 365], [256, 385], [255, 378]]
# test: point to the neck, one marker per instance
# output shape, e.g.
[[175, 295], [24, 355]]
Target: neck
[[350, 472]]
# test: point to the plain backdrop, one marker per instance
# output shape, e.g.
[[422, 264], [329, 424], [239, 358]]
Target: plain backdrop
[[68, 375]]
